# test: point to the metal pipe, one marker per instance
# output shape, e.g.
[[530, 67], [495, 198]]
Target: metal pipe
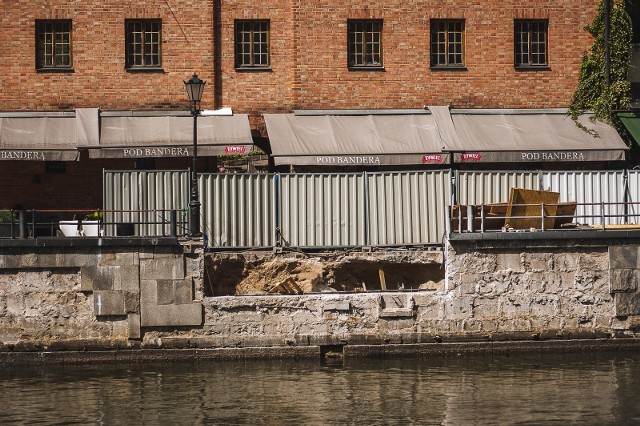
[[194, 202]]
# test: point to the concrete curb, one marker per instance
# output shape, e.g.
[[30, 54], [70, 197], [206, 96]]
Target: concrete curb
[[135, 356]]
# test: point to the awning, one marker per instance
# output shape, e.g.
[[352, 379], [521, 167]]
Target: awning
[[355, 140], [172, 136], [487, 136], [38, 138], [631, 120]]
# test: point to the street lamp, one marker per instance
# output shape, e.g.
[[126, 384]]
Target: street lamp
[[195, 88]]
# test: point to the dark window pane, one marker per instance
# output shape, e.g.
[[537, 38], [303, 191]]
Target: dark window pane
[[53, 44], [143, 38]]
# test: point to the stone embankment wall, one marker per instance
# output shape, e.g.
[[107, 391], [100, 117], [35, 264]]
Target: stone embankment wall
[[90, 293], [166, 296]]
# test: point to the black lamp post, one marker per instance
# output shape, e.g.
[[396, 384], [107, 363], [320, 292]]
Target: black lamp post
[[195, 88]]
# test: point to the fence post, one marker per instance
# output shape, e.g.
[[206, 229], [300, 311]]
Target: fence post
[[470, 218], [277, 232], [22, 225], [625, 197], [173, 223], [542, 216], [367, 224]]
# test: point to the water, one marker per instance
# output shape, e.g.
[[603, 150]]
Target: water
[[585, 389]]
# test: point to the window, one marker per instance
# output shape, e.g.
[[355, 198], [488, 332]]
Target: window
[[365, 44], [530, 40], [53, 45], [447, 43], [252, 44], [143, 41]]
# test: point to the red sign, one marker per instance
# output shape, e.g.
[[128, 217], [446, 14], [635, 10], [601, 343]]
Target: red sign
[[471, 156], [433, 158], [234, 149]]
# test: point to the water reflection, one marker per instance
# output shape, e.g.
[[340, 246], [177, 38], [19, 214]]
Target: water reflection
[[544, 389]]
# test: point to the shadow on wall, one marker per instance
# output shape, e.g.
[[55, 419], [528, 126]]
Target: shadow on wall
[[239, 275]]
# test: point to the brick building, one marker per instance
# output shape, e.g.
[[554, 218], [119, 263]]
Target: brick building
[[129, 59]]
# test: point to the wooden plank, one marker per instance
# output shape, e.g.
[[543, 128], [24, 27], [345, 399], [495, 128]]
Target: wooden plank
[[383, 282], [524, 210]]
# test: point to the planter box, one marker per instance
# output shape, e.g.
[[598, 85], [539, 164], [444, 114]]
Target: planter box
[[69, 228], [91, 228]]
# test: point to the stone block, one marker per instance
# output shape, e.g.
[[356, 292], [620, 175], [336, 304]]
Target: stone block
[[396, 313], [94, 278], [336, 305], [627, 304], [183, 291], [107, 259], [131, 301], [624, 280], [127, 259], [76, 260], [623, 257], [47, 260], [108, 303], [396, 301], [514, 306], [133, 320], [129, 278], [166, 292], [154, 315], [538, 262], [509, 261], [459, 308], [395, 306], [544, 306], [167, 267], [485, 308], [172, 315]]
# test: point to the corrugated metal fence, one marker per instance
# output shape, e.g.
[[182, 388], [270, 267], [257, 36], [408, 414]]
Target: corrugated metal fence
[[347, 209], [143, 200]]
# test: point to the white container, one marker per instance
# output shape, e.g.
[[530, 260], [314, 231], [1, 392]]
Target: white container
[[69, 228], [91, 228]]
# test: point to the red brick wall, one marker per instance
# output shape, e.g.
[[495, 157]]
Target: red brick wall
[[99, 78], [309, 55]]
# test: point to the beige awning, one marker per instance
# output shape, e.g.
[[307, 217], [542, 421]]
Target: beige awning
[[354, 140], [38, 138], [171, 136], [530, 136]]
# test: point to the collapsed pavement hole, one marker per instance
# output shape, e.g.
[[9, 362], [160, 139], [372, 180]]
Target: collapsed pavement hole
[[237, 274]]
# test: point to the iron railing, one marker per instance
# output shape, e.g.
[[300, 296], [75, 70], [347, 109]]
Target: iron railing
[[504, 217], [92, 223]]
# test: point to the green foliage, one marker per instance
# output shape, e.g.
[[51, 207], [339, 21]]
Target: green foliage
[[97, 215], [6, 217], [592, 93]]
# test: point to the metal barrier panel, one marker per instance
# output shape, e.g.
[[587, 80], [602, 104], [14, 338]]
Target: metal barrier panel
[[142, 200], [484, 187], [593, 191], [633, 195], [407, 208], [238, 210], [322, 210]]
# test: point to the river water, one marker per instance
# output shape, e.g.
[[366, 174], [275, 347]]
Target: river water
[[585, 389]]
